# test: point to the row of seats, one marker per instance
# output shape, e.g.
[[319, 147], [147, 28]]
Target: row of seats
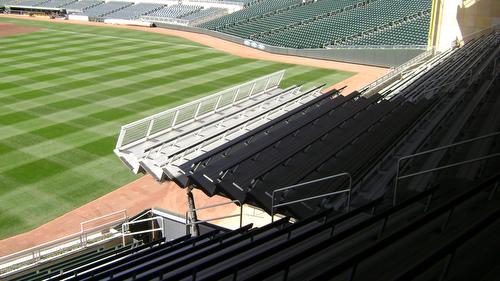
[[413, 33], [55, 3], [352, 22], [124, 10], [104, 9], [328, 245], [204, 14], [135, 11], [82, 5], [289, 17], [176, 11], [255, 10], [319, 23]]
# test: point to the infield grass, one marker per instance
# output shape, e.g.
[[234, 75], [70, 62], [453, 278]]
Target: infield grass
[[65, 91]]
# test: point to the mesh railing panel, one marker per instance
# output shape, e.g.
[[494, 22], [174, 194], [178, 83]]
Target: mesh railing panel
[[162, 122], [166, 120]]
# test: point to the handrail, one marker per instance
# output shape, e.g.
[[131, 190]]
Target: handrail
[[448, 207], [66, 239], [398, 167], [216, 218], [124, 211], [348, 191], [127, 224]]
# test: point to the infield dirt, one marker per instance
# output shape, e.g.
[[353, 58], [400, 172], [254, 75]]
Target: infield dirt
[[7, 29]]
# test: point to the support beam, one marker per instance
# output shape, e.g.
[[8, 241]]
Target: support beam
[[195, 231]]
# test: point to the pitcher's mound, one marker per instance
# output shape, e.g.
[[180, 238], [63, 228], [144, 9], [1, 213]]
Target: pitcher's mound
[[7, 29]]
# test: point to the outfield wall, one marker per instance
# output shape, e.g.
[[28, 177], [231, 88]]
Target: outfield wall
[[383, 56]]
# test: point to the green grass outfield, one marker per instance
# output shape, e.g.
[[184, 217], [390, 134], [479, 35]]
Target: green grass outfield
[[66, 90]]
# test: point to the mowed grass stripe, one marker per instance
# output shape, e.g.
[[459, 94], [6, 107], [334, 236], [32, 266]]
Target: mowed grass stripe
[[80, 57], [109, 92], [110, 61], [75, 67], [160, 65], [53, 132], [32, 97], [90, 97], [56, 130], [74, 91]]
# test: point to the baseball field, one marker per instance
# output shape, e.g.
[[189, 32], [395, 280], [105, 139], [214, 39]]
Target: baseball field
[[65, 90]]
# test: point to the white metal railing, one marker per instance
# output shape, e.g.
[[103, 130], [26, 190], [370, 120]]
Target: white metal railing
[[439, 168], [122, 218], [188, 223], [126, 227], [49, 250], [159, 123], [347, 190]]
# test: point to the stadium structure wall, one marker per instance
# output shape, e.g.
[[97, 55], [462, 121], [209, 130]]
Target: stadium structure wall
[[391, 56], [454, 21]]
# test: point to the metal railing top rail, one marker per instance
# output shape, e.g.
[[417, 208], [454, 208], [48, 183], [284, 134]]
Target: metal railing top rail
[[125, 227], [398, 167], [124, 212], [348, 191], [158, 123], [238, 202], [35, 252], [66, 239]]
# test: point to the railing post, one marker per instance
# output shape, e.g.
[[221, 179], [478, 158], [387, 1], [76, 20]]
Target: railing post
[[493, 190], [121, 136], [267, 83], [217, 103], [241, 215], [150, 127], [197, 111], [396, 179], [175, 118], [191, 209], [251, 90], [235, 96]]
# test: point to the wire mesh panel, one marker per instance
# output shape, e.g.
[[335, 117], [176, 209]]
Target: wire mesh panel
[[136, 132], [207, 106], [260, 86], [164, 121], [187, 113], [245, 91], [227, 98]]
